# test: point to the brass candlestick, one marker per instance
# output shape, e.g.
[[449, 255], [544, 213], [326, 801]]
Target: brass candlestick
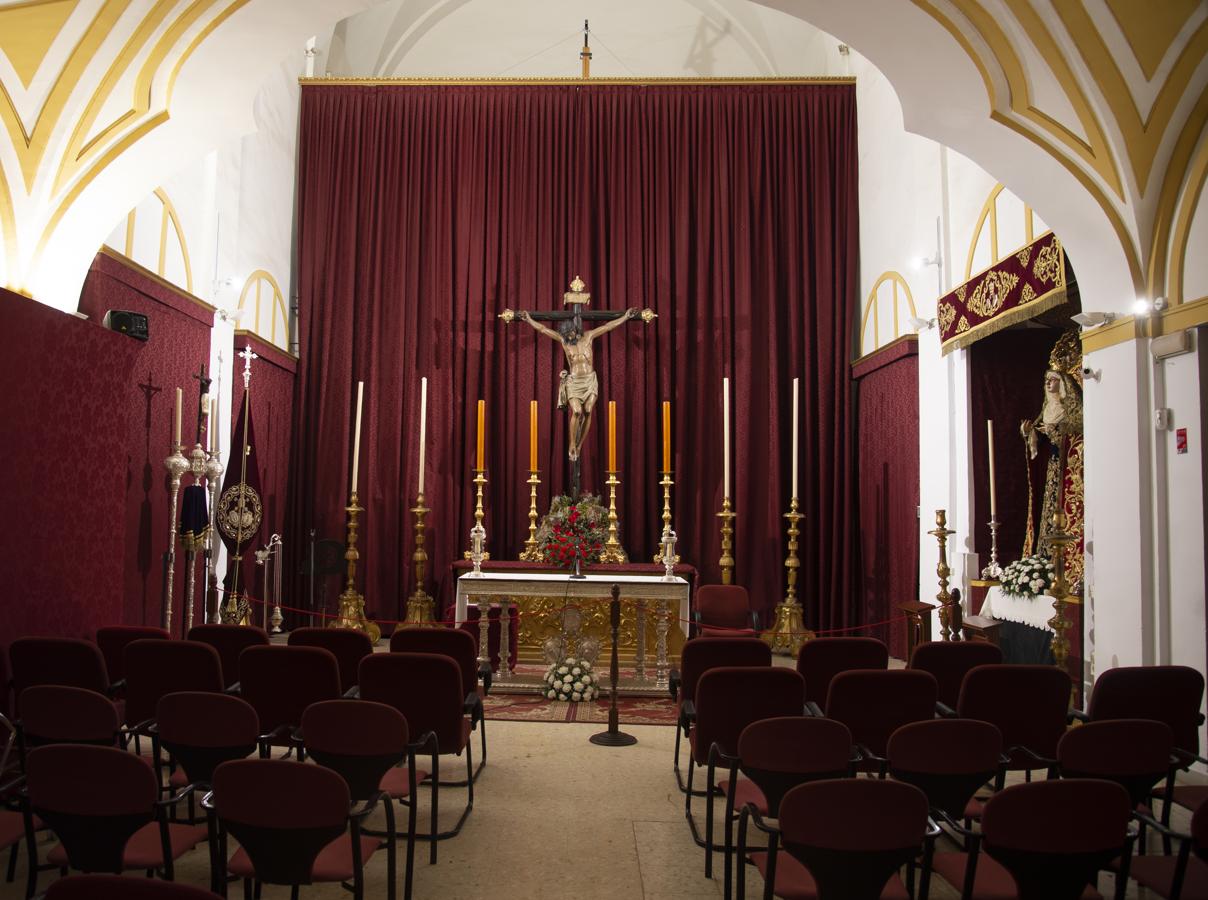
[[666, 483], [480, 478], [727, 541], [789, 632], [352, 603], [530, 552], [419, 604], [941, 532], [613, 552], [1057, 540]]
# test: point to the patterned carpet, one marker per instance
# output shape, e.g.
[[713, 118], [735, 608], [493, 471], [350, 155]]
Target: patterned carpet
[[529, 708]]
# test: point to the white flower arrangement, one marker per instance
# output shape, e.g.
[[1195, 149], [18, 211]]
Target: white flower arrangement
[[572, 681], [1028, 577]]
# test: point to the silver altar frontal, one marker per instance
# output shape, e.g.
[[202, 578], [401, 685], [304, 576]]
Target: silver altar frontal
[[664, 599]]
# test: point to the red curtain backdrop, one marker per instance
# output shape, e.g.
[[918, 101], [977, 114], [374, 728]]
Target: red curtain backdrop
[[730, 210], [63, 430], [887, 399], [1006, 384], [273, 377], [179, 326]]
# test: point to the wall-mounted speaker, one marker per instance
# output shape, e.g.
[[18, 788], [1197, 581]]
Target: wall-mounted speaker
[[131, 323]]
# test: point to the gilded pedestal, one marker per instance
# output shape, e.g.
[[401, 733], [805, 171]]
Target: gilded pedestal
[[352, 603], [419, 604], [941, 533], [727, 541], [788, 633]]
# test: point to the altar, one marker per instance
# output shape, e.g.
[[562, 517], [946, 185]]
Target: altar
[[1026, 636], [654, 613]]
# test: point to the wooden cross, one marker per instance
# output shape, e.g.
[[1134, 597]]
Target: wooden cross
[[204, 400], [577, 299]]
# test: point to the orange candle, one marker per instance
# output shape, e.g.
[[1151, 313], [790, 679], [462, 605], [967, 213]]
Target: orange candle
[[612, 435], [532, 435], [481, 434], [666, 435]]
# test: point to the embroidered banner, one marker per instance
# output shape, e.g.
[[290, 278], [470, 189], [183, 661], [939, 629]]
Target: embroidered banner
[[1014, 289]]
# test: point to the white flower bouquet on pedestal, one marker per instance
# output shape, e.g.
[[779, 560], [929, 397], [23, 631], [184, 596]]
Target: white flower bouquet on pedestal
[[1028, 577], [572, 681]]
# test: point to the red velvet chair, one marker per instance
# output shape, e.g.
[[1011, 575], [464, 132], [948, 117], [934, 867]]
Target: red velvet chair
[[1028, 704], [874, 703], [1053, 837], [230, 641], [155, 668], [1170, 694], [724, 610], [696, 658], [64, 661], [460, 647], [201, 730], [116, 887], [103, 805], [280, 682], [294, 824], [1185, 874], [348, 645], [822, 659], [54, 714], [843, 839], [365, 742], [948, 661], [728, 699], [426, 688], [776, 755], [112, 640]]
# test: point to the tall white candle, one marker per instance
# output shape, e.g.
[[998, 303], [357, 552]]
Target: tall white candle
[[725, 431], [796, 388], [990, 442], [423, 428], [356, 440]]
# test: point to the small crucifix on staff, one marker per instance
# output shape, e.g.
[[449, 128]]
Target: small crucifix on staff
[[578, 387]]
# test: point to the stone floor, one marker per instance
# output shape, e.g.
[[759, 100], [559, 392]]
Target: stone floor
[[554, 817]]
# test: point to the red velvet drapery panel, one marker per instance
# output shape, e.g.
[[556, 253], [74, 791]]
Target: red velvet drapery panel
[[887, 401], [729, 210]]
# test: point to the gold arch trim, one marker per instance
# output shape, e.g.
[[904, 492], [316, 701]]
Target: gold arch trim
[[256, 279], [870, 309], [170, 214], [1197, 173]]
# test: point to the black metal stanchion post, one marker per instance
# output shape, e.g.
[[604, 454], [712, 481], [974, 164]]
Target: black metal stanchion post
[[614, 737]]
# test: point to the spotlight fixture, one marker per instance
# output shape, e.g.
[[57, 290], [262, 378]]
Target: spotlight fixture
[[920, 324], [1091, 319]]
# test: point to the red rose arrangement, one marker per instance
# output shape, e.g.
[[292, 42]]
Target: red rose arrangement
[[576, 531]]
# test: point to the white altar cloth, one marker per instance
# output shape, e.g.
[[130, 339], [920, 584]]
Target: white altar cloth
[[553, 584], [1034, 611]]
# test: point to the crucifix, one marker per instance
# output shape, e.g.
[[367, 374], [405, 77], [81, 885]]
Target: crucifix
[[203, 405], [578, 386]]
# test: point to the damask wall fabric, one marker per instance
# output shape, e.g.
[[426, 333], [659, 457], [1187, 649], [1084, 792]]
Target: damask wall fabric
[[64, 416], [1015, 289], [179, 343]]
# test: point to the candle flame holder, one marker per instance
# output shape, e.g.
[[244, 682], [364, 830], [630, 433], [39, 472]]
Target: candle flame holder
[[419, 604], [666, 484], [613, 552], [726, 562], [789, 632], [480, 479], [531, 552]]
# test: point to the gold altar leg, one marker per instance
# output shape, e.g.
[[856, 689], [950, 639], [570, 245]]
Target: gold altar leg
[[484, 631], [640, 661], [661, 626], [505, 670]]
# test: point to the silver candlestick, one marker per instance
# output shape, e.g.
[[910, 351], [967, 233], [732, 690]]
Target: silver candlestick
[[177, 465], [478, 537], [669, 557], [993, 572]]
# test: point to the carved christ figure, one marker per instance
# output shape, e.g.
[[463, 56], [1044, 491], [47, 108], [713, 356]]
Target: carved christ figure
[[578, 387]]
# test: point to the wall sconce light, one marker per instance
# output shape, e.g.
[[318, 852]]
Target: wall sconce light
[[1093, 319], [921, 324]]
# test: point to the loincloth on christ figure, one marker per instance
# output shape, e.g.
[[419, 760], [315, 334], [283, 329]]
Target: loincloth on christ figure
[[584, 388]]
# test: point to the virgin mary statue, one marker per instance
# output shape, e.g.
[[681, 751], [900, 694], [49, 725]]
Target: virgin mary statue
[[1053, 442]]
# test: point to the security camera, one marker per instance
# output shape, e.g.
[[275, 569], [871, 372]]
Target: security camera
[[1090, 374]]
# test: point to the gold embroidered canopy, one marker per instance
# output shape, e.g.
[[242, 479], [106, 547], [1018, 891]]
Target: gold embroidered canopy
[[1019, 287]]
